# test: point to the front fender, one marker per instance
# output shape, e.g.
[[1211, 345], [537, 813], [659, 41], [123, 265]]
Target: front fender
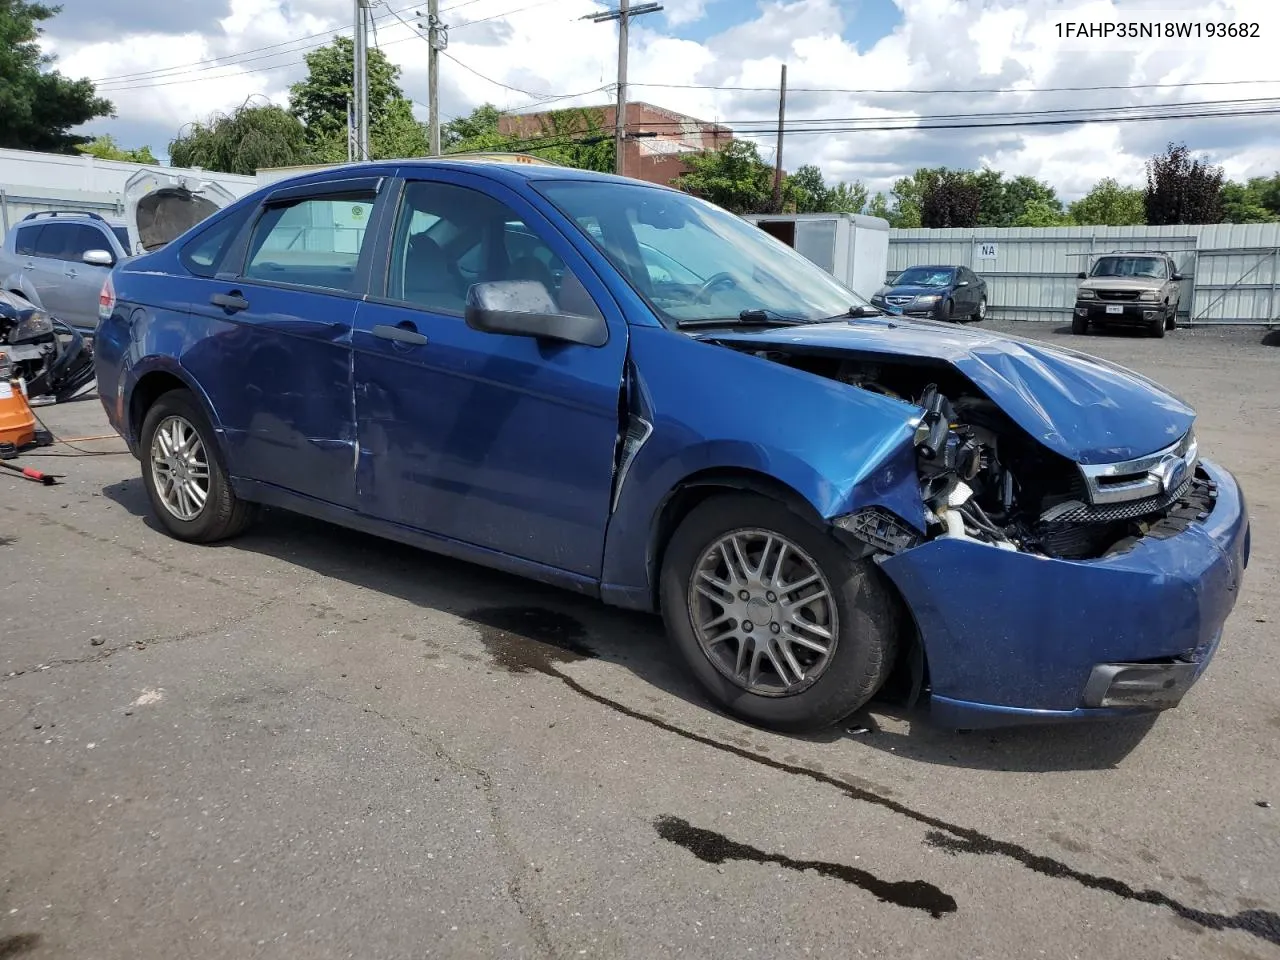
[[712, 408]]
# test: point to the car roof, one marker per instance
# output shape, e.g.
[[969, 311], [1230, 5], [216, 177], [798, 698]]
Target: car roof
[[71, 218], [934, 266], [509, 173]]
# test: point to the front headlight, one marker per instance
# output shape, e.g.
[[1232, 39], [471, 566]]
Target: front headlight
[[1148, 294], [928, 298], [1085, 294], [36, 324]]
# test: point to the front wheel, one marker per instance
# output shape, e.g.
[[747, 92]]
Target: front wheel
[[778, 622], [186, 483], [1079, 325]]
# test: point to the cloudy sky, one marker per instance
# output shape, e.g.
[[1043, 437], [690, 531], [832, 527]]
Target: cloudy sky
[[167, 62]]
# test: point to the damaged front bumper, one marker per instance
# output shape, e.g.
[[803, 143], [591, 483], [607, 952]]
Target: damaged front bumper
[[1013, 638]]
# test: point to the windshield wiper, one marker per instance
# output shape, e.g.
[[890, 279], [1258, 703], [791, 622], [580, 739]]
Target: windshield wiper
[[747, 318], [860, 310]]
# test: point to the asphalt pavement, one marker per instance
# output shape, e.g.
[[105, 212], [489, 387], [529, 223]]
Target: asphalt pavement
[[312, 743]]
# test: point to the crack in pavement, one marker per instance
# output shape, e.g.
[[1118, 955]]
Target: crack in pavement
[[952, 837], [538, 925], [142, 644]]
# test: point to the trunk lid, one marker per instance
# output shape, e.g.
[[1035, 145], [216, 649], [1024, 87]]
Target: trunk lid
[[161, 205]]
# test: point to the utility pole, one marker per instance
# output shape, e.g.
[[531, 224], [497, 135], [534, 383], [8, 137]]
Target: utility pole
[[437, 40], [360, 79], [623, 15], [777, 161]]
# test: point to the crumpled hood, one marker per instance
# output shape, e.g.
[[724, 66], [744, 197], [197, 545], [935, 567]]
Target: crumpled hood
[[1089, 410]]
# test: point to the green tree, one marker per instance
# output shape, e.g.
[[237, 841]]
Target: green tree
[[104, 147], [244, 141], [878, 206], [1109, 205], [1255, 201], [476, 131], [321, 103], [950, 198], [38, 105], [805, 191], [1182, 188], [1040, 213], [847, 197], [574, 137], [734, 177], [994, 208]]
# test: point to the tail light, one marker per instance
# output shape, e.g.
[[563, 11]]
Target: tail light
[[106, 300]]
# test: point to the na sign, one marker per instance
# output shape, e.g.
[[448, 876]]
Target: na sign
[[984, 251]]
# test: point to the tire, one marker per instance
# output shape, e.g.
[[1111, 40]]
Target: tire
[[981, 313], [1171, 322], [1079, 325], [946, 310], [865, 612], [1157, 327], [222, 514]]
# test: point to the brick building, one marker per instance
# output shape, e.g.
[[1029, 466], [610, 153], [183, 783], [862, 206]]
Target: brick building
[[657, 139]]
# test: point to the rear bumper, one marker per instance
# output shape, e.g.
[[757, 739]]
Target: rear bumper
[[1014, 638]]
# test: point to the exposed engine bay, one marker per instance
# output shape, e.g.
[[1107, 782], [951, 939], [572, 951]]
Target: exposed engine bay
[[984, 478]]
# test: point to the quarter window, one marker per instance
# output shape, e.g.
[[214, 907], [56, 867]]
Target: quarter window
[[203, 255], [312, 242]]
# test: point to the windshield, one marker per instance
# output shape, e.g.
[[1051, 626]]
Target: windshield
[[1152, 267], [693, 261], [925, 277]]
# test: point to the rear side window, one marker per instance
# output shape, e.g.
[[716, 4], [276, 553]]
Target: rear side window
[[84, 239], [24, 243], [204, 255], [313, 242]]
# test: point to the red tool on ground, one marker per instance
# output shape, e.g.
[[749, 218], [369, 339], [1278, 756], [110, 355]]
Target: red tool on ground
[[31, 473]]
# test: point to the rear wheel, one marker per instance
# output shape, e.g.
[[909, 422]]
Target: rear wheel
[[188, 487], [981, 313], [1079, 325], [778, 622]]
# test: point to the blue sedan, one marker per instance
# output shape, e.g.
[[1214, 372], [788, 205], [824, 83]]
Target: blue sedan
[[629, 393]]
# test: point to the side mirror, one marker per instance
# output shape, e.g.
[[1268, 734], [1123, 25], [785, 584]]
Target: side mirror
[[99, 258], [524, 308], [963, 283], [1082, 276], [1176, 276]]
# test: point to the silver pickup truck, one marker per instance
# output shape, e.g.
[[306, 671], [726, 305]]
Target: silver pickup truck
[[59, 259]]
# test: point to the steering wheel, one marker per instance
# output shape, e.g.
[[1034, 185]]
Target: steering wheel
[[715, 280]]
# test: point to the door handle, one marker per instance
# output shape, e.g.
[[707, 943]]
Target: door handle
[[406, 333], [230, 301], [72, 274]]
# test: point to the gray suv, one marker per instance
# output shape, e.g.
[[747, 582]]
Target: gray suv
[[59, 260], [1135, 289]]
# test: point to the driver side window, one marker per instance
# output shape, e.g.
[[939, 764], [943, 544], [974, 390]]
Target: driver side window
[[449, 238]]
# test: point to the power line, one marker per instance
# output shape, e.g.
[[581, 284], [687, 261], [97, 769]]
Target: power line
[[230, 59], [566, 139], [957, 90], [499, 16], [769, 126]]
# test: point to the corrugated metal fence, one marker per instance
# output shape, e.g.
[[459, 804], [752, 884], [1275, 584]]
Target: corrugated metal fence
[[1231, 271]]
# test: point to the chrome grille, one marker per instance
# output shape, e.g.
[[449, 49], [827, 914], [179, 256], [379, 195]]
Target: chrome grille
[[1133, 488], [1117, 294]]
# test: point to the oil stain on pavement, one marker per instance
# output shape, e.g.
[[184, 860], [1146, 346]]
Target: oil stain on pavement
[[711, 847], [18, 944], [553, 638]]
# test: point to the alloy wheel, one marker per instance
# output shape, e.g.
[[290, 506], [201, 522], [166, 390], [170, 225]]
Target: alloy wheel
[[180, 468], [763, 613]]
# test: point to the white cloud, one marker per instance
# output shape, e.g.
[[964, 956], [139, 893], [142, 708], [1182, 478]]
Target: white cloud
[[939, 45]]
